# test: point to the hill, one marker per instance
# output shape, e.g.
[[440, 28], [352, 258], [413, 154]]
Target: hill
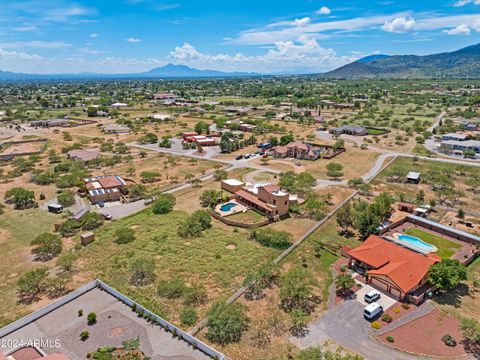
[[167, 71], [463, 63]]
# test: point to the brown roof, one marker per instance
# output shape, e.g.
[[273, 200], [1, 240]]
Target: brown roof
[[85, 155], [26, 353], [298, 144], [406, 268], [281, 149], [253, 199], [109, 182], [270, 188]]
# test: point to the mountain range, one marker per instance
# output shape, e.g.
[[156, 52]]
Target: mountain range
[[463, 63], [167, 71]]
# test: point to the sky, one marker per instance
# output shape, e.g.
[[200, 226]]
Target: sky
[[263, 36]]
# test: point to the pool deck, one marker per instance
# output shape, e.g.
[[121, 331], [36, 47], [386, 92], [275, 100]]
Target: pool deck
[[234, 210], [466, 248]]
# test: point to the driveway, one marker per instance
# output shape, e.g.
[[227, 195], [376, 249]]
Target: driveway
[[385, 301], [346, 326]]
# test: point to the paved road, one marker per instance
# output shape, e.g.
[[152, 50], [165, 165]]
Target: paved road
[[346, 326]]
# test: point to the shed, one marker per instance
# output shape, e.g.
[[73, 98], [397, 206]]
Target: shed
[[87, 238], [55, 208], [413, 177]]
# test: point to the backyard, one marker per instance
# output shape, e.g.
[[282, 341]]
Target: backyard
[[446, 248], [218, 259]]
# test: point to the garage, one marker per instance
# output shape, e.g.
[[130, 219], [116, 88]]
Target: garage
[[382, 285]]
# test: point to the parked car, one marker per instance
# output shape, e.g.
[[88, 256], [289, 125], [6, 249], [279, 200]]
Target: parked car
[[239, 157], [247, 156], [101, 204], [371, 296], [107, 216], [372, 311]]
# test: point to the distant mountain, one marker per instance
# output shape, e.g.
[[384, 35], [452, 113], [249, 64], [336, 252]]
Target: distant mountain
[[172, 70], [463, 63], [167, 71], [370, 58]]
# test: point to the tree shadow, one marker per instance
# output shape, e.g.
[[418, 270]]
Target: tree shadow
[[453, 297], [346, 233]]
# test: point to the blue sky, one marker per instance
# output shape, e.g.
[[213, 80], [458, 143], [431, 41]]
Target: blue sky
[[116, 36]]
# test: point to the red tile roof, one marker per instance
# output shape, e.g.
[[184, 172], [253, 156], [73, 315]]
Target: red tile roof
[[253, 199], [404, 267], [270, 188], [109, 182]]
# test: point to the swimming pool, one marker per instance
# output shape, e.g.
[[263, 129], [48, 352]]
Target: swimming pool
[[417, 243], [227, 207]]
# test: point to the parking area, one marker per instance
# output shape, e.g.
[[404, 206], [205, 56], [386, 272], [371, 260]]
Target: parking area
[[385, 301], [346, 326]]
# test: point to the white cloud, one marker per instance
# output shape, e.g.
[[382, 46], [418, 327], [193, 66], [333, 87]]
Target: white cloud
[[24, 28], [297, 22], [323, 11], [460, 3], [36, 44], [304, 55], [399, 25], [17, 55], [133, 40], [461, 29], [90, 51], [94, 35]]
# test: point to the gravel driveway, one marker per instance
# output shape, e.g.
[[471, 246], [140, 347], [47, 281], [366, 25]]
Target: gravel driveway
[[346, 326]]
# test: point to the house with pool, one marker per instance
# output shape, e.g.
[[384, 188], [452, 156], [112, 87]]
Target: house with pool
[[262, 197], [397, 270], [398, 261]]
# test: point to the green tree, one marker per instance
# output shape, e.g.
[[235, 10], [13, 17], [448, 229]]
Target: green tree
[[20, 197], [66, 198], [447, 274], [334, 170], [143, 270], [346, 217], [296, 288], [32, 284], [46, 246], [188, 316], [226, 323], [164, 204], [220, 175], [124, 235], [66, 261], [344, 282]]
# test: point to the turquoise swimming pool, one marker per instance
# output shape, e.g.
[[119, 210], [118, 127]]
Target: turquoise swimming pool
[[227, 207], [416, 242]]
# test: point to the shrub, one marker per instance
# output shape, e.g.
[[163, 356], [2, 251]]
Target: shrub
[[272, 238], [80, 312], [226, 323], [387, 318], [376, 325], [396, 310], [124, 235], [171, 289], [405, 306], [84, 335], [46, 246], [449, 340], [188, 316], [91, 318], [164, 204], [343, 268], [66, 198], [199, 221], [390, 339]]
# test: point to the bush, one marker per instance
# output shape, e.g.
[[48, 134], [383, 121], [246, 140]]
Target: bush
[[188, 316], [124, 235], [343, 268], [405, 306], [376, 325], [272, 238], [449, 340], [66, 198], [91, 318], [397, 310], [171, 289], [164, 204], [194, 225], [46, 246], [390, 339], [84, 335], [226, 323], [80, 313], [387, 318]]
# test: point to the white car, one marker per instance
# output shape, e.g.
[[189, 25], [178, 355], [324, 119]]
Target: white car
[[372, 311], [371, 296]]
